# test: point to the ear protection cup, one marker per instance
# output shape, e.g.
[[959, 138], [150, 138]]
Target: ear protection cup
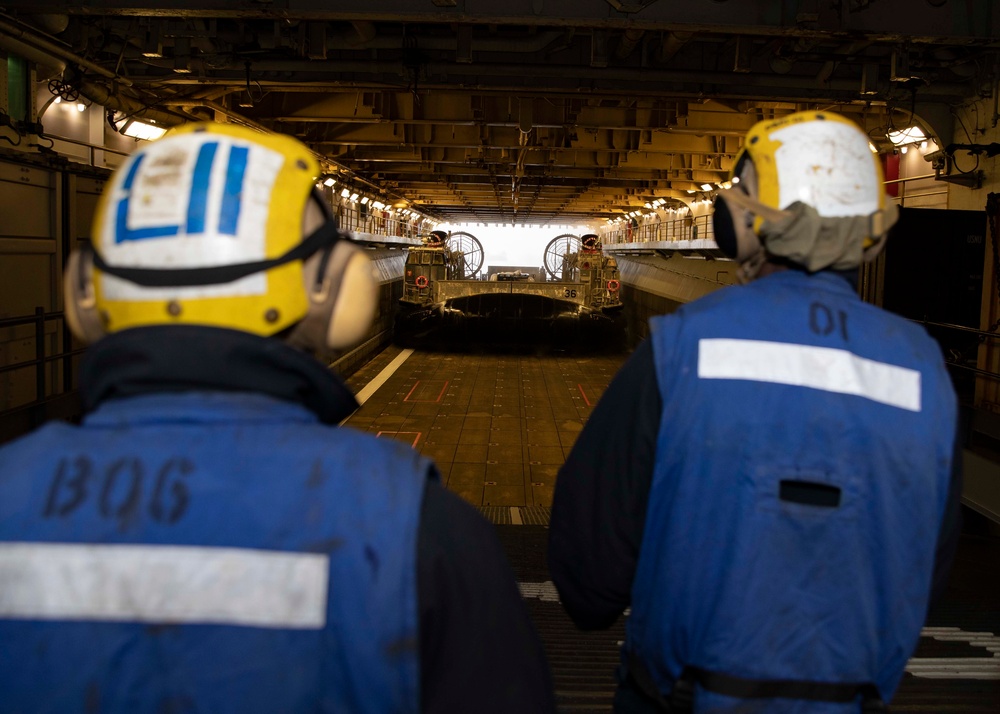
[[341, 288], [882, 224], [722, 226], [733, 226], [343, 298], [733, 213], [82, 315]]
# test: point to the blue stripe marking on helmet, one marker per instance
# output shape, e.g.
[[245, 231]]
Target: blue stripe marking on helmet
[[229, 214], [198, 200], [122, 231]]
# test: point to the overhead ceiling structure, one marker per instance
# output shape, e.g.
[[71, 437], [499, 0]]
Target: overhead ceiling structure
[[522, 111]]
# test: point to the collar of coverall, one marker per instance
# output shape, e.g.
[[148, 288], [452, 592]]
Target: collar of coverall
[[798, 234], [186, 358]]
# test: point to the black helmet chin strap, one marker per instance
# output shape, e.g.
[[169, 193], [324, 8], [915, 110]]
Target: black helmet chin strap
[[323, 237]]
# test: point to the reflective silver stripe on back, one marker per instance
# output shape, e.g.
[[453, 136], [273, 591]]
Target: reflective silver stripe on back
[[163, 584], [830, 370]]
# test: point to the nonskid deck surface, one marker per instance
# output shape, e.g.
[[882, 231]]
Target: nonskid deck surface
[[499, 427]]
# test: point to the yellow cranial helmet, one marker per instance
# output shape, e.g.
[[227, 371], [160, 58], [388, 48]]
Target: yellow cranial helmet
[[814, 158], [215, 225], [818, 158]]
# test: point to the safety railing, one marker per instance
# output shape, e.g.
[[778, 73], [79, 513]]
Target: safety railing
[[92, 149], [350, 217], [42, 358], [687, 228], [982, 336]]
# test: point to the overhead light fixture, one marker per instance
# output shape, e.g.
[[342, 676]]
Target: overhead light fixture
[[364, 200], [345, 193], [182, 55], [80, 106], [330, 182], [153, 46], [354, 197], [736, 180], [58, 100], [141, 130], [872, 147], [910, 135], [706, 187]]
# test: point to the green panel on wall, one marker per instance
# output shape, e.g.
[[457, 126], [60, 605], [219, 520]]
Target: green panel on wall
[[17, 88]]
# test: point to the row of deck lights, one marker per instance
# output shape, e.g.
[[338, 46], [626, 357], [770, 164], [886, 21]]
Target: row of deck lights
[[646, 216], [355, 197], [657, 204]]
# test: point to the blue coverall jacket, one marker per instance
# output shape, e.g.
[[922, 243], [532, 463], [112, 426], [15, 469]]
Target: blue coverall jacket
[[208, 552], [802, 470]]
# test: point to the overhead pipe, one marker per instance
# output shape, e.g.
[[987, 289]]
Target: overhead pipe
[[32, 54], [755, 80], [57, 51], [671, 45], [100, 94], [389, 145], [217, 107], [498, 124], [362, 39], [628, 42], [52, 22], [364, 30], [702, 132]]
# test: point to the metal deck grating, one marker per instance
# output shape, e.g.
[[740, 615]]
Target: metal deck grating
[[516, 515], [958, 664], [497, 515], [535, 515]]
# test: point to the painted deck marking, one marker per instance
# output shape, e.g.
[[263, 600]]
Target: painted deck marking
[[444, 387], [515, 516], [391, 434], [410, 393], [381, 378], [369, 389], [584, 395]]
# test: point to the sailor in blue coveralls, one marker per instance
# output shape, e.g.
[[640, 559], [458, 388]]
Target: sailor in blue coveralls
[[770, 482], [207, 540]]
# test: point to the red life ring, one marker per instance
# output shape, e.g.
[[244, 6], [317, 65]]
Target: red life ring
[[421, 281], [613, 286]]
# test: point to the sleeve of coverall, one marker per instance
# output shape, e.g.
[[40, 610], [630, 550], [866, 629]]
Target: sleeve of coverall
[[599, 508], [478, 649]]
